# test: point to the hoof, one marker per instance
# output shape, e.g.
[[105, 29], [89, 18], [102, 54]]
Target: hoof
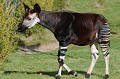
[[58, 77], [73, 73], [87, 76], [106, 76]]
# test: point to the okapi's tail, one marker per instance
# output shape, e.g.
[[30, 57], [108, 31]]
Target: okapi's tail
[[104, 34]]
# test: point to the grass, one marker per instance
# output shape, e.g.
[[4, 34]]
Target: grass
[[45, 65]]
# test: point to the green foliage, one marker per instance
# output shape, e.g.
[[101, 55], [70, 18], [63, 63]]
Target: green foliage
[[10, 16], [7, 25]]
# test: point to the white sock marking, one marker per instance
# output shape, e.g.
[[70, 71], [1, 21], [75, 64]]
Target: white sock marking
[[94, 59], [60, 71], [67, 68]]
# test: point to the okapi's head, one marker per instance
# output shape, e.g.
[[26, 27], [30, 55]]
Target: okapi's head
[[30, 18]]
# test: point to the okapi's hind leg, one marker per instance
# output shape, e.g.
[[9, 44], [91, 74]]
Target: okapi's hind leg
[[95, 56], [61, 57], [106, 57], [104, 40]]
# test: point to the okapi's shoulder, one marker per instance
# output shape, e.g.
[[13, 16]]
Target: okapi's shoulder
[[65, 19], [56, 19]]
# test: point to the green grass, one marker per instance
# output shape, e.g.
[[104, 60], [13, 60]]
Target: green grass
[[45, 65]]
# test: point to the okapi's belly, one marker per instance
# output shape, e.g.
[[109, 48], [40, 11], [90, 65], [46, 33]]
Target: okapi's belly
[[84, 40]]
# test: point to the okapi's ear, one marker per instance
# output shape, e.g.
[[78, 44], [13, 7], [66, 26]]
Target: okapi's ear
[[37, 8], [26, 7]]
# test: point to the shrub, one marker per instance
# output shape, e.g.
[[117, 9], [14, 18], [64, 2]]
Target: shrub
[[7, 25], [10, 15]]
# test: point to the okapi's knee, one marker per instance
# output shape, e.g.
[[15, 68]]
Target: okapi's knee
[[61, 57], [94, 51], [61, 54], [61, 61]]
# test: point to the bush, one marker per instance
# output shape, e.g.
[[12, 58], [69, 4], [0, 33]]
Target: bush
[[7, 33], [11, 13]]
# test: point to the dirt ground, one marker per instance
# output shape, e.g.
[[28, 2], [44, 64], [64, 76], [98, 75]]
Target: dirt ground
[[39, 48]]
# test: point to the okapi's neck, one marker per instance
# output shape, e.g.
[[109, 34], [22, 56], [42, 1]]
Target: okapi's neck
[[46, 20]]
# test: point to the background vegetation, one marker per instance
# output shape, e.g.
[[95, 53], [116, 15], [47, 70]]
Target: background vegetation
[[8, 22], [44, 65], [11, 12]]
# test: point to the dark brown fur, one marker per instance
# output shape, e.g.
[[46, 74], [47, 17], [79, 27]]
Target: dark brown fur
[[71, 27]]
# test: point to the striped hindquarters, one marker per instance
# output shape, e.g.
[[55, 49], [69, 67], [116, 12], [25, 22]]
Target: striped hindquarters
[[104, 36]]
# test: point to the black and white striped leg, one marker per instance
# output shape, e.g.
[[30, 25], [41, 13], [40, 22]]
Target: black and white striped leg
[[105, 51], [104, 44], [106, 56], [69, 70], [94, 59], [61, 57]]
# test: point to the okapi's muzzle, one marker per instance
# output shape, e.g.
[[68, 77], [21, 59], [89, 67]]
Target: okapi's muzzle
[[21, 28]]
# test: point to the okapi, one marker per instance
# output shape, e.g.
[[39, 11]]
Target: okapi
[[72, 28]]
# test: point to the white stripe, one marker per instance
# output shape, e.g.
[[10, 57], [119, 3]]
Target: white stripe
[[62, 57], [105, 23], [104, 46], [67, 68], [107, 64], [61, 47], [96, 35], [93, 49], [105, 35], [105, 38], [59, 71]]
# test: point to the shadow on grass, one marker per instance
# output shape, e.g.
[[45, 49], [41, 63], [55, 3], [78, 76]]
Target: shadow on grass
[[52, 73]]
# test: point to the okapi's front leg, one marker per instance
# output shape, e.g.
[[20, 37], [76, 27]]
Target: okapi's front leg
[[61, 57]]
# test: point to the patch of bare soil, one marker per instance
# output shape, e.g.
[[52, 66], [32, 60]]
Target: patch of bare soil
[[39, 48]]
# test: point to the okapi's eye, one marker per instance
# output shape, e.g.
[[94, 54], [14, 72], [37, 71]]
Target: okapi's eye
[[28, 19]]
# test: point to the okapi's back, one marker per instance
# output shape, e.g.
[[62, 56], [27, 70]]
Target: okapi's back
[[88, 20], [86, 27]]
